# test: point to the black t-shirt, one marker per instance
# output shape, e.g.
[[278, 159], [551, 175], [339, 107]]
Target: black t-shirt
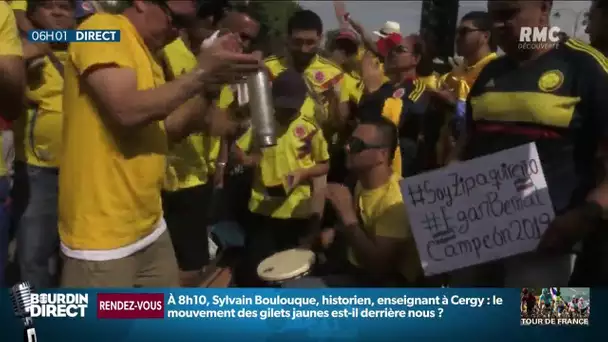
[[405, 104]]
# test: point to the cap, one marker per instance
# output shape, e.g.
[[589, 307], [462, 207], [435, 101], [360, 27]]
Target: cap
[[384, 45], [289, 90], [84, 8], [348, 35], [388, 28]]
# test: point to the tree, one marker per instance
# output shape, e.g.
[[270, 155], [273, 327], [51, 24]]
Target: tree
[[273, 17]]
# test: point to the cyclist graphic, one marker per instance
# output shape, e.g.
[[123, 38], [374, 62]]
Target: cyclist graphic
[[546, 300]]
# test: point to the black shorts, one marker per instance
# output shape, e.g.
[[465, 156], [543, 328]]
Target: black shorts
[[187, 215]]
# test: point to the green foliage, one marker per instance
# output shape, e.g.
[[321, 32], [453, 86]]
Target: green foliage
[[273, 17]]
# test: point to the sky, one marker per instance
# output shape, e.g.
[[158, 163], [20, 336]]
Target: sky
[[373, 14]]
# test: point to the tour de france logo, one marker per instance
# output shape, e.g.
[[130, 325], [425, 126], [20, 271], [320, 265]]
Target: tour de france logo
[[551, 81], [569, 306]]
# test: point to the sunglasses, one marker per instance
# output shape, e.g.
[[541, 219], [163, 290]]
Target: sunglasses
[[356, 145], [400, 49]]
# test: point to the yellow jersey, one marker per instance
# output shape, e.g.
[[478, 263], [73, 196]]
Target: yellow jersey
[[10, 45], [18, 5], [320, 75], [301, 145], [383, 214], [187, 166], [244, 140], [110, 179], [470, 74], [352, 88], [461, 84], [431, 82], [38, 133]]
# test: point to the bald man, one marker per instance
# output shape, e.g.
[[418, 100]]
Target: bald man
[[243, 25], [236, 185], [231, 21]]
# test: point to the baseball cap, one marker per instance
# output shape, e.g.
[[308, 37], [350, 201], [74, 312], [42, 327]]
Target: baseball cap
[[289, 90], [348, 35]]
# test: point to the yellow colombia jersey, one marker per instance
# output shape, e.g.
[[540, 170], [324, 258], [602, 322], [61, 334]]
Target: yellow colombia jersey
[[110, 178], [10, 45], [352, 88], [431, 81], [187, 166], [321, 75], [38, 133], [19, 5], [460, 83], [383, 214], [301, 145]]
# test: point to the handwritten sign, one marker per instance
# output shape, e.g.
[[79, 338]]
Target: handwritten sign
[[477, 211]]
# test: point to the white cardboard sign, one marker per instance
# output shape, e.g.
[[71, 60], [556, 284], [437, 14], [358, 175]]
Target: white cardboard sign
[[480, 210]]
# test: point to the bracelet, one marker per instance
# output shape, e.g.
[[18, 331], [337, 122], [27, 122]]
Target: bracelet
[[222, 164]]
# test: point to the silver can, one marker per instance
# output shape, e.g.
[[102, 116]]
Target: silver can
[[262, 111]]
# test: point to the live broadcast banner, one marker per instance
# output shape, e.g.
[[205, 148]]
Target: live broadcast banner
[[289, 314]]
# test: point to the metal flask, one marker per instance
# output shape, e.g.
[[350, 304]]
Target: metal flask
[[262, 111]]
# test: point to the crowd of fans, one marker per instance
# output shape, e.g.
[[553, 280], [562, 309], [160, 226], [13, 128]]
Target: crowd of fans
[[135, 163]]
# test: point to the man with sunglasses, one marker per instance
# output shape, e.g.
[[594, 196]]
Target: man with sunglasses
[[474, 43], [188, 196], [552, 94], [227, 111], [374, 223], [119, 114]]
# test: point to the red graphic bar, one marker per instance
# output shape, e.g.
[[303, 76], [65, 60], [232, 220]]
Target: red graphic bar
[[130, 305]]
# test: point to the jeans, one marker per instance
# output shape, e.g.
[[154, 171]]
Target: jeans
[[4, 226], [36, 200]]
